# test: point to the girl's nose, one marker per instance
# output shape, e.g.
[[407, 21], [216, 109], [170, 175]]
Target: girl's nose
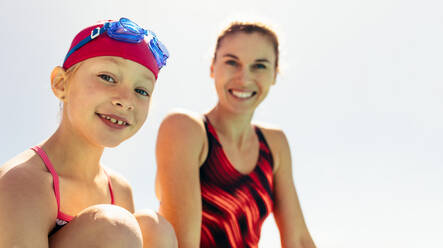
[[123, 104], [123, 100]]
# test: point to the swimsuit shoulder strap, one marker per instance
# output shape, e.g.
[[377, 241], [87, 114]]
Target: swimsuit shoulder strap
[[51, 169]]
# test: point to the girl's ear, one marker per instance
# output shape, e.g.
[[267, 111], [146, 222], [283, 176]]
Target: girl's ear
[[59, 83]]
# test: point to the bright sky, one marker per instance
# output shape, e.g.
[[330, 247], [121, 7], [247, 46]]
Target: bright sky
[[360, 97]]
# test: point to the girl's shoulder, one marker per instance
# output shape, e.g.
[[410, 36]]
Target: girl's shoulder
[[122, 190], [26, 167], [26, 189]]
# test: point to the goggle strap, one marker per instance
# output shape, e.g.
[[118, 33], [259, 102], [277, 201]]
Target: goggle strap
[[94, 34]]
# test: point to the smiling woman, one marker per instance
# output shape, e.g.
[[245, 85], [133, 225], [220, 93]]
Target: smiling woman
[[105, 85], [226, 175]]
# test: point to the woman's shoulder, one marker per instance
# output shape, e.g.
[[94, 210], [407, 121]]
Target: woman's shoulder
[[273, 134], [185, 117], [277, 142], [184, 133], [187, 123]]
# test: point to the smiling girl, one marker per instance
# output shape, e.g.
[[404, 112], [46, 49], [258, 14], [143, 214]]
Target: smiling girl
[[57, 194]]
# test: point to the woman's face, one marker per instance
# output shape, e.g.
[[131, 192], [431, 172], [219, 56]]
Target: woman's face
[[108, 99], [243, 71]]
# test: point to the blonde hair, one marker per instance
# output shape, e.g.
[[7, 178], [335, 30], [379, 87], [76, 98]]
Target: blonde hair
[[72, 70]]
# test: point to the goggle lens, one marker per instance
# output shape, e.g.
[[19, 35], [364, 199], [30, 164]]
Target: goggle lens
[[161, 54], [131, 26]]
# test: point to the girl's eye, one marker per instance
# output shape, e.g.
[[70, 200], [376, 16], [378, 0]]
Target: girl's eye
[[107, 78], [142, 92], [231, 62], [259, 66]]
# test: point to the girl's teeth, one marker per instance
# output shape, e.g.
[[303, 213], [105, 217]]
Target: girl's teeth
[[119, 122]]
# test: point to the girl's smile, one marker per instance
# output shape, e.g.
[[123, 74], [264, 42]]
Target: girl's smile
[[108, 99], [114, 121]]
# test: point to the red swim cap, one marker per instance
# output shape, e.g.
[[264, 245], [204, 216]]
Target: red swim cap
[[103, 45]]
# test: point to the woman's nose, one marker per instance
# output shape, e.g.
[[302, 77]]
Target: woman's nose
[[244, 75]]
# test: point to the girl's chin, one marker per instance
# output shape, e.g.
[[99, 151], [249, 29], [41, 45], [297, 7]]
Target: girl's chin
[[107, 142]]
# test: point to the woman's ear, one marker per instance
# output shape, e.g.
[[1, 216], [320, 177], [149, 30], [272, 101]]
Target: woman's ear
[[211, 70], [277, 71], [59, 83], [275, 79]]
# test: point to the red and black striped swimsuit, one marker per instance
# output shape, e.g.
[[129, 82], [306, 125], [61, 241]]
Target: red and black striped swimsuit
[[234, 204]]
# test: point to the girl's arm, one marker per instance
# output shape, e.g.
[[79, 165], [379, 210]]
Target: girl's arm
[[180, 144], [287, 211], [26, 207]]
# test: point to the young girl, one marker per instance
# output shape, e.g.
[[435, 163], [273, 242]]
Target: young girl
[[219, 176], [57, 194]]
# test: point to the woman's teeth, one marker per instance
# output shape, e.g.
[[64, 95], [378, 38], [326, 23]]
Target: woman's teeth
[[119, 122], [242, 94]]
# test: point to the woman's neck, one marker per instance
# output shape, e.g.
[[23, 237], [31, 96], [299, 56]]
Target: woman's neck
[[72, 154], [235, 127]]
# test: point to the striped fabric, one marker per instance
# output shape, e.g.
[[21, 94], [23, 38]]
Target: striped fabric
[[234, 205]]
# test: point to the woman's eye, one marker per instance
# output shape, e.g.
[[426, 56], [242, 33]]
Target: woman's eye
[[260, 66], [231, 62], [142, 92], [107, 78]]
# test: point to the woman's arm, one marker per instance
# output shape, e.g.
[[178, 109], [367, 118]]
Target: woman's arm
[[26, 207], [287, 211], [180, 143]]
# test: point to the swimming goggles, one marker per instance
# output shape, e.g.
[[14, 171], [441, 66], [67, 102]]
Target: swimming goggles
[[127, 31]]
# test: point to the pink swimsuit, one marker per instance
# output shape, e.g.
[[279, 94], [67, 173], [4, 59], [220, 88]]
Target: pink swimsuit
[[62, 218]]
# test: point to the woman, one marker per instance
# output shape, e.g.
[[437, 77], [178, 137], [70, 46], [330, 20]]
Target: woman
[[57, 194], [218, 175]]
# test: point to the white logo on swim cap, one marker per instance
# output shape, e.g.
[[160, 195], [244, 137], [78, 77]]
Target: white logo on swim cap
[[95, 32]]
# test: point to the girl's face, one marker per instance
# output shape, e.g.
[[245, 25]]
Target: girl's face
[[243, 71], [107, 99]]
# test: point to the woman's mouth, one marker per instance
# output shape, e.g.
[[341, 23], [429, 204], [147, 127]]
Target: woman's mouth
[[242, 94]]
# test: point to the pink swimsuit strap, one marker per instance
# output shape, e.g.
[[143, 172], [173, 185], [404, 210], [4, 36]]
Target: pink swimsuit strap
[[55, 180]]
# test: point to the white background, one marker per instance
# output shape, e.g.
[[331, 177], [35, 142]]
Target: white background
[[360, 97]]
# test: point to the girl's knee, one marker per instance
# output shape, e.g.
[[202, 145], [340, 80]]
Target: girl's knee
[[113, 226], [156, 230]]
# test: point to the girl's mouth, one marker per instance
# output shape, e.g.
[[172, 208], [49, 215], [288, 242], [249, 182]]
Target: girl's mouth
[[113, 121]]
